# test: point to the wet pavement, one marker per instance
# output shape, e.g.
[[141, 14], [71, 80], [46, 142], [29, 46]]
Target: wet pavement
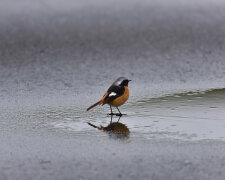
[[58, 58]]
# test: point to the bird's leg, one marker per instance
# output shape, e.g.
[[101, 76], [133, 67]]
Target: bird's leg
[[119, 114], [118, 110], [111, 111]]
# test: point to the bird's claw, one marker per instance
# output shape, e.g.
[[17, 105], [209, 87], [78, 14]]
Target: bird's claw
[[116, 114]]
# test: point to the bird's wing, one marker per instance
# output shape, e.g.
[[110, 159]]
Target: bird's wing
[[113, 93]]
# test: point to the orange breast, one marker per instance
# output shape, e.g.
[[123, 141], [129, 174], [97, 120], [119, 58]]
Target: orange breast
[[122, 99]]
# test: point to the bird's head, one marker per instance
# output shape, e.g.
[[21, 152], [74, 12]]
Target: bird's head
[[121, 81]]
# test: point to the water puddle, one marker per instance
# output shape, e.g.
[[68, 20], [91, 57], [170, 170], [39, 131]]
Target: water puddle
[[187, 116]]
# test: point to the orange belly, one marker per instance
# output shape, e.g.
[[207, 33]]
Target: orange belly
[[122, 99]]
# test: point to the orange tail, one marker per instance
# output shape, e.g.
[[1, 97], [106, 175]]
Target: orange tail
[[98, 103]]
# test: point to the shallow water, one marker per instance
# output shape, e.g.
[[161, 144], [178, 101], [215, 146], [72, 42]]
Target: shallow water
[[58, 58], [187, 116]]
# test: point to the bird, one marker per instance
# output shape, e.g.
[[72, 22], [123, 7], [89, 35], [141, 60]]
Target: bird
[[116, 95]]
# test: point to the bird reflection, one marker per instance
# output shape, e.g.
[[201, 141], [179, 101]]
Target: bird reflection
[[114, 129]]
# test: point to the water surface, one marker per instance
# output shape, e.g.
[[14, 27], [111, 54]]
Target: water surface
[[58, 58]]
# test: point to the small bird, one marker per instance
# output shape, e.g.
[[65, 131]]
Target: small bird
[[116, 95]]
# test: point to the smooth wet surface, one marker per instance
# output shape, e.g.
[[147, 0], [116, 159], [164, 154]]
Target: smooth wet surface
[[186, 116], [59, 58], [182, 133]]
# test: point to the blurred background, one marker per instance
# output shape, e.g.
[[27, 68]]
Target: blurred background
[[51, 51], [58, 57]]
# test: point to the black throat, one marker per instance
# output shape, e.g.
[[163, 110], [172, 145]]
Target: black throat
[[124, 83]]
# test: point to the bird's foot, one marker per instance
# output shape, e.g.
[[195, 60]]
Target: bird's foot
[[116, 114]]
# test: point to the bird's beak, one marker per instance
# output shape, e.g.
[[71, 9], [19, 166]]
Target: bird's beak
[[129, 80]]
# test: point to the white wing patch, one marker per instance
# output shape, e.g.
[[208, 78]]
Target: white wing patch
[[112, 94]]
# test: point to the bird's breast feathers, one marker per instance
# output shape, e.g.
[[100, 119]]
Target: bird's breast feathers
[[120, 100]]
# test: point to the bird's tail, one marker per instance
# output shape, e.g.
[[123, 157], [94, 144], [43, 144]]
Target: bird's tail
[[98, 103]]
